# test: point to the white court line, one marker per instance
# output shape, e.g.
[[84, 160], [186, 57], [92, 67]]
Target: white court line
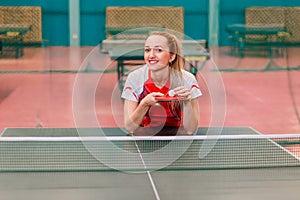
[[148, 173], [140, 138]]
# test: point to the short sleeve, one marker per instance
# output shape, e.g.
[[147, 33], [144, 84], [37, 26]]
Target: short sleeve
[[134, 84], [192, 84]]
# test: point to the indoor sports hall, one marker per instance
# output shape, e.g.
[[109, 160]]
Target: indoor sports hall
[[64, 66]]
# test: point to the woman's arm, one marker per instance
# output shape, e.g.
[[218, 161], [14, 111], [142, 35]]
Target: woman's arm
[[134, 112], [190, 115], [190, 110]]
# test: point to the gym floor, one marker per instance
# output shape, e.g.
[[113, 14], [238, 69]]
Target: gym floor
[[37, 89]]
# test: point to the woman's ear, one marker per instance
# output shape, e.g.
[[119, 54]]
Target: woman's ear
[[172, 58]]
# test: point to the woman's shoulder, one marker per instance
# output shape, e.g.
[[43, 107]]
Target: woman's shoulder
[[140, 70], [138, 75], [187, 74]]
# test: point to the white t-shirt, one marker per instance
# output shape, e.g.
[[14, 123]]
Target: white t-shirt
[[136, 79]]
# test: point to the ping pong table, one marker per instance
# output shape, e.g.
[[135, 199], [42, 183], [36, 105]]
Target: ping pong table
[[13, 34], [267, 35], [57, 168], [126, 51]]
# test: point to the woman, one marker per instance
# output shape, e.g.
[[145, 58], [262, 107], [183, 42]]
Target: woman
[[162, 75]]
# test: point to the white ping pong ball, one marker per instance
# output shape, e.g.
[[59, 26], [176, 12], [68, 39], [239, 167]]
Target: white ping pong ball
[[171, 93]]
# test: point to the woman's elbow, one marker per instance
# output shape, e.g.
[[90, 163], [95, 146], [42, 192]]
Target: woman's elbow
[[130, 128], [192, 131]]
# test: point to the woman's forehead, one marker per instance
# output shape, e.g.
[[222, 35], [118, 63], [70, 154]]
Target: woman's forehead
[[156, 40]]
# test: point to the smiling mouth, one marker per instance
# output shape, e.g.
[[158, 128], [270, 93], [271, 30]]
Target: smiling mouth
[[153, 61]]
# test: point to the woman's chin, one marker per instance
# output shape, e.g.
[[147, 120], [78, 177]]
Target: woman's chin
[[156, 67]]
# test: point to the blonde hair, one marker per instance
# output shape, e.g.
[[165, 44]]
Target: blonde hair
[[176, 66]]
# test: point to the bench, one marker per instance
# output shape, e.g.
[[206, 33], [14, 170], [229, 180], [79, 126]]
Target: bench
[[137, 22]]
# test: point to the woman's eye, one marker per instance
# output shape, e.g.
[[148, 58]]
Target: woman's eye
[[158, 50]]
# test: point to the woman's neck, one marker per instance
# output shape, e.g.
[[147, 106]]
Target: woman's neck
[[160, 78]]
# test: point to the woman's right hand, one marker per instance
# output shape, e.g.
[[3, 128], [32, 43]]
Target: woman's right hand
[[150, 100]]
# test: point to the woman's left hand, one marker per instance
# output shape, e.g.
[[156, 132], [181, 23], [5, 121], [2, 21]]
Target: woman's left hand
[[183, 92]]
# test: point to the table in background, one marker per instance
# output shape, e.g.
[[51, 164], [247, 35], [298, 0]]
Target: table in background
[[266, 35], [131, 52], [12, 35]]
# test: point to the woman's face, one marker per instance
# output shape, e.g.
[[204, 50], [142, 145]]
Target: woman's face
[[156, 52]]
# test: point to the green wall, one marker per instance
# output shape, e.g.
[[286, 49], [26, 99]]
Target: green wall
[[56, 18]]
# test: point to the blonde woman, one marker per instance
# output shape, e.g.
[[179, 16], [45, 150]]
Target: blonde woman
[[162, 76]]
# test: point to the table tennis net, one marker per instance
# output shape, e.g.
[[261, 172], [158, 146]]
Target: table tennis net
[[130, 153]]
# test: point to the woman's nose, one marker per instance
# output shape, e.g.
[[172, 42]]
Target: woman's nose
[[152, 53]]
